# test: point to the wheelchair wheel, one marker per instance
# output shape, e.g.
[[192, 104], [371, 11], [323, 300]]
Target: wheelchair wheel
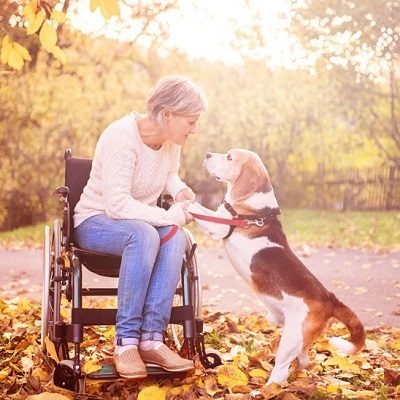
[[192, 291], [52, 285]]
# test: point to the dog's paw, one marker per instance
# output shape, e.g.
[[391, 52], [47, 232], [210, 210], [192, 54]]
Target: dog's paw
[[193, 208]]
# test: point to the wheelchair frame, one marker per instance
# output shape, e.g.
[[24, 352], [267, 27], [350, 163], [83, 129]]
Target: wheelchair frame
[[62, 276]]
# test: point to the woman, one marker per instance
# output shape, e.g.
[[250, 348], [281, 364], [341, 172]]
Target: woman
[[137, 158]]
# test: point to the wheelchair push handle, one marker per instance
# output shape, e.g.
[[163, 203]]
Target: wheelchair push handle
[[62, 191]]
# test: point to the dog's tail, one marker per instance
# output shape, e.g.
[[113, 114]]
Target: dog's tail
[[357, 332]]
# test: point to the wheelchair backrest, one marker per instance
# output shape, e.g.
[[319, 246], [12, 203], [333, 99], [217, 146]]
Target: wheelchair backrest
[[77, 171]]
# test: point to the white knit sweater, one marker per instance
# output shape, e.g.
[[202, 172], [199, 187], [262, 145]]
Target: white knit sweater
[[127, 177]]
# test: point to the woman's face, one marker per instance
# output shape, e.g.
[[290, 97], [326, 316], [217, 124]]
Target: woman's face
[[179, 127]]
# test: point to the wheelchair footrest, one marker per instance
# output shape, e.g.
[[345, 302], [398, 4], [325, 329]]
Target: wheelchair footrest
[[108, 371]]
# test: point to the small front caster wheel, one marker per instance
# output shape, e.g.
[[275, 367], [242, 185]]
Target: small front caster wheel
[[214, 359], [65, 377]]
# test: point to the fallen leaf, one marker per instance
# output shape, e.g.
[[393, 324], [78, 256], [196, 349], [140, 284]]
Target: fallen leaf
[[91, 366], [47, 396], [271, 391], [4, 373], [151, 393], [391, 377], [343, 363], [27, 363], [231, 376], [210, 384], [258, 373], [51, 349]]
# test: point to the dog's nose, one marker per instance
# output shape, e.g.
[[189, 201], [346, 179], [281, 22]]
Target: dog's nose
[[208, 155]]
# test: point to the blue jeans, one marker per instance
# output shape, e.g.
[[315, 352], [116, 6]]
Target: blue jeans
[[148, 275]]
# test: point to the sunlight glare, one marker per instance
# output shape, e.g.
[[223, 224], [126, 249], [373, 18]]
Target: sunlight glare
[[207, 29]]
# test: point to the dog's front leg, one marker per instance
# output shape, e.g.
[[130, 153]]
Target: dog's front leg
[[213, 230]]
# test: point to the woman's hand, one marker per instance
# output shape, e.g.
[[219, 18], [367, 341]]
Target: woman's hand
[[184, 205], [185, 194]]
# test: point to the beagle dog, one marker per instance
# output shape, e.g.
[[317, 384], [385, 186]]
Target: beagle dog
[[258, 249]]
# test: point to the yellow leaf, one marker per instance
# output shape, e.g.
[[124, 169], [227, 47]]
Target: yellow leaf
[[6, 46], [24, 305], [109, 8], [30, 9], [47, 396], [241, 359], [51, 349], [4, 373], [94, 5], [258, 373], [343, 363], [15, 59], [151, 393], [332, 388], [113, 8], [6, 40], [58, 16], [230, 375], [48, 36], [179, 389], [35, 22], [91, 366], [23, 51], [395, 344], [60, 55]]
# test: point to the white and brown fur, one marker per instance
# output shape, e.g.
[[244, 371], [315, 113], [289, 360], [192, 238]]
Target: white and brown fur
[[293, 296]]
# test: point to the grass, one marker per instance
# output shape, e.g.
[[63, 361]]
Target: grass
[[28, 236], [378, 230], [372, 229]]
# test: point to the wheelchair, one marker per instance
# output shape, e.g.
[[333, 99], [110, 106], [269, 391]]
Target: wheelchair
[[62, 278]]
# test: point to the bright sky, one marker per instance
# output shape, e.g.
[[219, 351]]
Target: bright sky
[[204, 28]]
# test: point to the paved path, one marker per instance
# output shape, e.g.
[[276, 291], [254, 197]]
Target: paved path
[[367, 281]]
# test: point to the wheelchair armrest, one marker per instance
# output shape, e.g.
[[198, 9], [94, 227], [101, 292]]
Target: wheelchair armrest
[[62, 191]]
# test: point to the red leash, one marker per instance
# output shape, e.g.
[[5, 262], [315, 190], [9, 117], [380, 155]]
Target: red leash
[[169, 235]]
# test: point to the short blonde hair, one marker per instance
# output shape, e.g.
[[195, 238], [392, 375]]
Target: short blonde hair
[[177, 93]]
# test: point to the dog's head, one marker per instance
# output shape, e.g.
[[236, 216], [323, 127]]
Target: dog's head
[[243, 169]]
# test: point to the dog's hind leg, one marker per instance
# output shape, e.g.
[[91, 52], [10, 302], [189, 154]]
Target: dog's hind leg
[[303, 360], [290, 347], [313, 326]]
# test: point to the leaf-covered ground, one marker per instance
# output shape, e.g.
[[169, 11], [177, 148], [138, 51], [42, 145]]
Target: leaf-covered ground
[[247, 345]]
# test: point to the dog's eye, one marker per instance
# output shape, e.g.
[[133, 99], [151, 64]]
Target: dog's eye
[[229, 157]]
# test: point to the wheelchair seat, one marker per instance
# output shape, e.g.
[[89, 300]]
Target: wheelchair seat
[[99, 263]]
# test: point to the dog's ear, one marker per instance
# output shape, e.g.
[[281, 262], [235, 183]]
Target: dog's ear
[[248, 181]]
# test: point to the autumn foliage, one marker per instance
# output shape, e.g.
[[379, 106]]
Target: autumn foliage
[[246, 344], [41, 19], [312, 125]]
